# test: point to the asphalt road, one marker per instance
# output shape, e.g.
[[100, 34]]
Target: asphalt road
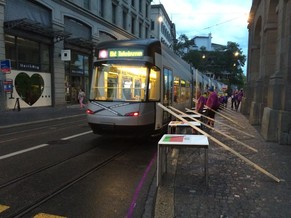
[[61, 168]]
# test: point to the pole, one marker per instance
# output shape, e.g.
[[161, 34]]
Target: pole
[[225, 135], [220, 114], [239, 130], [257, 167]]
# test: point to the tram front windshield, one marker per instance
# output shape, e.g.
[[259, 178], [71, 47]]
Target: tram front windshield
[[120, 82]]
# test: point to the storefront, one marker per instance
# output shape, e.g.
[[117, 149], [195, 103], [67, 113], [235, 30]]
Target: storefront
[[28, 45], [79, 66], [38, 75], [76, 76]]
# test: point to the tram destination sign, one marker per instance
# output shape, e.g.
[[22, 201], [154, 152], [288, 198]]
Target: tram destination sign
[[122, 53]]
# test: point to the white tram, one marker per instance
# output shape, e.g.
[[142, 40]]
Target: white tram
[[130, 78]]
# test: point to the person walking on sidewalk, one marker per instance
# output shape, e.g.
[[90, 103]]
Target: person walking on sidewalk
[[81, 97], [233, 98], [201, 100], [212, 103], [239, 97]]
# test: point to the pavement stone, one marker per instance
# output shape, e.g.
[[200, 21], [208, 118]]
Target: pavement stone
[[235, 188]]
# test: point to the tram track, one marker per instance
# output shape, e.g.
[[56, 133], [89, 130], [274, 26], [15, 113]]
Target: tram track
[[41, 200], [39, 170]]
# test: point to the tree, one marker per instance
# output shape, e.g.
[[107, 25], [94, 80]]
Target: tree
[[225, 64], [183, 45]]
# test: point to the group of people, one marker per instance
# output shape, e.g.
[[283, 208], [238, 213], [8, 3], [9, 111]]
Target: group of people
[[212, 102]]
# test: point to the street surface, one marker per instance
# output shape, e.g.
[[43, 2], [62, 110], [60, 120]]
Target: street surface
[[61, 168]]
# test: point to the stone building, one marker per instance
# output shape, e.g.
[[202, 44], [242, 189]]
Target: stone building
[[162, 27], [267, 96], [49, 45]]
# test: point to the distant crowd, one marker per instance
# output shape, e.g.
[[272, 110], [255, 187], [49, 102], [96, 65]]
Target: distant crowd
[[212, 100]]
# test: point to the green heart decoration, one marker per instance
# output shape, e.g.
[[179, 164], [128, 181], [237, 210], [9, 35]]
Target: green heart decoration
[[29, 88]]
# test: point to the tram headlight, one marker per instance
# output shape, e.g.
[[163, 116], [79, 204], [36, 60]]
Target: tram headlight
[[132, 114]]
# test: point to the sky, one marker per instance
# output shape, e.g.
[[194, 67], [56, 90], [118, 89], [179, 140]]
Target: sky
[[226, 20]]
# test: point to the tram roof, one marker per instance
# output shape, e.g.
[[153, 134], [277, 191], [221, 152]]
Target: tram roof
[[152, 45]]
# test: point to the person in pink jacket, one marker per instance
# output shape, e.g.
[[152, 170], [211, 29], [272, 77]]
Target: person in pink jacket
[[212, 103], [200, 102]]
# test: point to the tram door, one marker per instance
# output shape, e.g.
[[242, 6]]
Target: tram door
[[112, 88], [167, 92]]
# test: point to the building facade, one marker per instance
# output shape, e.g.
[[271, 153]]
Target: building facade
[[48, 45], [267, 96], [162, 27]]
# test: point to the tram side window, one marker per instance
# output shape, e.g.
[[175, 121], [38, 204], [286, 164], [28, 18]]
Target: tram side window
[[188, 92], [183, 91], [154, 85], [176, 89]]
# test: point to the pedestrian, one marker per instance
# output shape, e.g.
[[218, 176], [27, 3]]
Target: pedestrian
[[239, 96], [233, 98], [201, 100], [212, 104], [81, 97]]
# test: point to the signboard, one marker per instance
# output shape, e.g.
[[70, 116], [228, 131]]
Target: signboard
[[8, 85], [6, 66], [120, 53], [66, 55]]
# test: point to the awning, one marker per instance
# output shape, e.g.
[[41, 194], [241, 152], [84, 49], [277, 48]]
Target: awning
[[81, 42], [25, 24]]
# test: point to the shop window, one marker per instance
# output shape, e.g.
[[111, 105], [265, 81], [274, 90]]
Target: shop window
[[26, 54]]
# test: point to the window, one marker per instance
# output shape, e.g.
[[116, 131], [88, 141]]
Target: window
[[154, 85], [119, 82], [176, 89], [133, 25], [140, 30], [152, 25], [115, 82], [146, 32], [114, 13], [140, 6], [102, 8], [87, 4], [133, 3], [79, 64], [147, 10], [124, 19], [26, 54]]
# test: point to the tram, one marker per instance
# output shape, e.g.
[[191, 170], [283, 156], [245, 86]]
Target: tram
[[130, 78]]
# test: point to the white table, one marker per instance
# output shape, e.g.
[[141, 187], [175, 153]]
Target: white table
[[180, 141], [173, 125]]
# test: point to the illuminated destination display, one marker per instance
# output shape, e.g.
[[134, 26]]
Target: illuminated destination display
[[121, 53]]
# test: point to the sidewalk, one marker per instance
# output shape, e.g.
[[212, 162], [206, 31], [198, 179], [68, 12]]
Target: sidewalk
[[235, 188], [28, 115]]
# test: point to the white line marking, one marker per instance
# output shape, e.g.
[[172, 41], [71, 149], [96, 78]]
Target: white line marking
[[40, 146], [22, 151], [77, 135]]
